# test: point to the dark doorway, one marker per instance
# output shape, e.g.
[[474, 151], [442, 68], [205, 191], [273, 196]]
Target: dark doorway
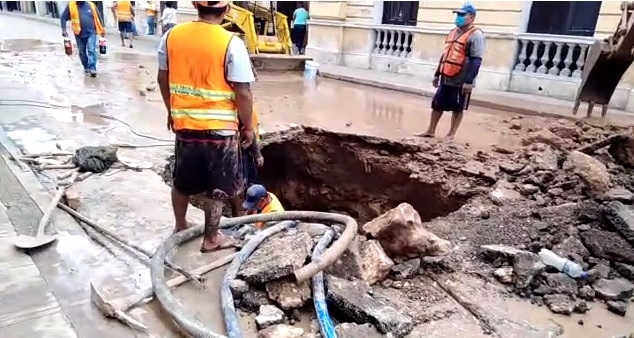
[[577, 18], [403, 13]]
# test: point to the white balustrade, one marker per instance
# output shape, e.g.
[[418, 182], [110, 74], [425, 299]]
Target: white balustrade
[[393, 41], [561, 56]]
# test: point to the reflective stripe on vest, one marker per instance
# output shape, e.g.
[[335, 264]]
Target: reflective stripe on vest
[[200, 97], [124, 11], [455, 52], [75, 22]]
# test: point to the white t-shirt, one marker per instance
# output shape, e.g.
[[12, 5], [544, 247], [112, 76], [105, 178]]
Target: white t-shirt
[[169, 16]]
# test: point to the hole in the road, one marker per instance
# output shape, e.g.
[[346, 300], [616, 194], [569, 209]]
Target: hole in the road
[[363, 177]]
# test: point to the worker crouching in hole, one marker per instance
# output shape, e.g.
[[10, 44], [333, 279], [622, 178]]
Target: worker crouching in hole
[[204, 76], [260, 201]]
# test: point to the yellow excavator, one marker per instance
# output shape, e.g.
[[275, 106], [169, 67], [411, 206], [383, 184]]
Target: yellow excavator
[[606, 63], [267, 51]]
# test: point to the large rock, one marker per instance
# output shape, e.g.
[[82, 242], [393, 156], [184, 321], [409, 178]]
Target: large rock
[[625, 270], [350, 264], [401, 233], [622, 218], [593, 173], [269, 315], [526, 266], [375, 263], [545, 160], [352, 330], [623, 152], [613, 289], [277, 257], [608, 245], [287, 293], [562, 283], [560, 304], [572, 248], [353, 299]]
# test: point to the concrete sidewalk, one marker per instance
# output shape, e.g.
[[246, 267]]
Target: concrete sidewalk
[[506, 101]]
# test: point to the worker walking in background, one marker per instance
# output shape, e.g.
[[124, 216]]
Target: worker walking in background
[[151, 13], [300, 19], [457, 70], [86, 25], [204, 77], [260, 201], [168, 18], [124, 14]]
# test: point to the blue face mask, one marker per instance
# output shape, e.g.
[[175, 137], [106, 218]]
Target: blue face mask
[[461, 20]]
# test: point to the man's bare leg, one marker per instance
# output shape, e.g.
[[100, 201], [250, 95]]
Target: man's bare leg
[[212, 239], [433, 124], [122, 35], [236, 206], [179, 205], [456, 119]]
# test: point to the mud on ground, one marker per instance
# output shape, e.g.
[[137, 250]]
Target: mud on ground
[[527, 196]]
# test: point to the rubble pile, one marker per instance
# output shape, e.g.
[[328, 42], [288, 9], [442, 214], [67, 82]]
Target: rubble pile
[[266, 289]]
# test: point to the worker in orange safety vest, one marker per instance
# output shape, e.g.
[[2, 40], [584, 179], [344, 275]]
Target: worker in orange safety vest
[[457, 70], [86, 25], [260, 201], [204, 77], [123, 11]]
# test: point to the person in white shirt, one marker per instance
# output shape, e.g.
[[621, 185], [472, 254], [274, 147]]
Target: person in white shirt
[[168, 19]]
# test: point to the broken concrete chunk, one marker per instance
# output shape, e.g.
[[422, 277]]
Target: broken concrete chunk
[[401, 233], [545, 160], [353, 299], [613, 289], [277, 257], [593, 173], [608, 245], [571, 248], [622, 219], [623, 152], [238, 288], [253, 299], [618, 194], [288, 294], [562, 283], [407, 269], [587, 292], [560, 304], [496, 251], [375, 262], [625, 270], [349, 264], [352, 330], [269, 315], [526, 266], [504, 275], [478, 169], [281, 331], [617, 307], [503, 193], [511, 167]]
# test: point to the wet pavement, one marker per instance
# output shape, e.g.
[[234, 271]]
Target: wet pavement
[[47, 103]]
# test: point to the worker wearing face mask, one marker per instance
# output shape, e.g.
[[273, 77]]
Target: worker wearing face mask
[[457, 70]]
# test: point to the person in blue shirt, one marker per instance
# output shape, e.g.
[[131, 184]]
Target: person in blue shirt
[[300, 19], [86, 24]]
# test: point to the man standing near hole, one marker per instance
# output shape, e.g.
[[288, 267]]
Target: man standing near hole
[[205, 76], [457, 70]]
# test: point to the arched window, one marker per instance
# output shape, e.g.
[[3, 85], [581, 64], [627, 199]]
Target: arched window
[[564, 17], [404, 13]]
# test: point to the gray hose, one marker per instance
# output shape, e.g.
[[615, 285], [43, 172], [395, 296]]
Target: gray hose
[[226, 297], [194, 327]]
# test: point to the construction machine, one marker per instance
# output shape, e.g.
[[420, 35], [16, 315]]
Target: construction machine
[[267, 52], [606, 63]]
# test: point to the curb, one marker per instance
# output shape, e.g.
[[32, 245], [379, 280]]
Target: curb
[[430, 94], [55, 22]]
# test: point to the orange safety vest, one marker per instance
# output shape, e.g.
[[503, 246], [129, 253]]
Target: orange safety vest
[[273, 206], [151, 8], [75, 22], [455, 52], [200, 96], [124, 11]]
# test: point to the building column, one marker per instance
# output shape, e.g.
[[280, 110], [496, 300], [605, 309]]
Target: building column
[[325, 32]]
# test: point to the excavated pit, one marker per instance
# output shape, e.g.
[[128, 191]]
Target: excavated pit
[[362, 176]]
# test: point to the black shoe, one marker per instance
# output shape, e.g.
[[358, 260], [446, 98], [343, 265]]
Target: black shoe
[[93, 73]]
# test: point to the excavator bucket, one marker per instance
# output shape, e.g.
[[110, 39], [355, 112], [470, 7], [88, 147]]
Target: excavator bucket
[[601, 74]]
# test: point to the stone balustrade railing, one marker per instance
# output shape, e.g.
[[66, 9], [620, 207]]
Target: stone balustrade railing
[[562, 56], [392, 41]]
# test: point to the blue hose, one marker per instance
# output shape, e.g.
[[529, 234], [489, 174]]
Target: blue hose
[[226, 297], [326, 326]]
